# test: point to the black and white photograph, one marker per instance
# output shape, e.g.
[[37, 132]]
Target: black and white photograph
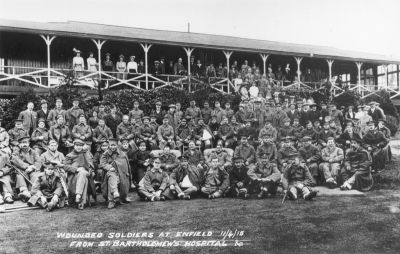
[[212, 126]]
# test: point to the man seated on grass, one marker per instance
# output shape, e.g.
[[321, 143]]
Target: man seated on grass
[[216, 180], [356, 173], [46, 189], [116, 183], [154, 184], [332, 158], [186, 179], [239, 180], [265, 176], [297, 178]]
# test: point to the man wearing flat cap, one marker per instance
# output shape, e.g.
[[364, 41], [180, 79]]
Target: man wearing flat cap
[[246, 151], [267, 146], [297, 180], [40, 137], [116, 183], [186, 179], [226, 133], [46, 189], [82, 130], [356, 173], [292, 113], [239, 181], [184, 134], [126, 131], [80, 169], [173, 118], [269, 131], [74, 113], [375, 142], [311, 156], [218, 112], [61, 133], [286, 130], [265, 176], [194, 111], [101, 133], [29, 118], [29, 163], [54, 113]]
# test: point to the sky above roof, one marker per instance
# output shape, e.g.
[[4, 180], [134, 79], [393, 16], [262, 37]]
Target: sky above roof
[[361, 25]]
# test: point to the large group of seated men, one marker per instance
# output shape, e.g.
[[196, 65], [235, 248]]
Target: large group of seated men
[[58, 157]]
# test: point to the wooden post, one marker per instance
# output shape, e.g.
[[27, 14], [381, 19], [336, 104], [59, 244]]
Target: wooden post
[[146, 47], [228, 56], [330, 63], [48, 39], [99, 45], [298, 61], [264, 58], [359, 64]]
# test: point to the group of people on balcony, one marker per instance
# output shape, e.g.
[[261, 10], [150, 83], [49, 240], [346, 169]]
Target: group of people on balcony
[[244, 73], [59, 156]]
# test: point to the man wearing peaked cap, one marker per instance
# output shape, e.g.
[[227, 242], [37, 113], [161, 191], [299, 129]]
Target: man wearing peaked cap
[[79, 166], [74, 113], [40, 137], [117, 177], [166, 134], [297, 180], [82, 130], [356, 173], [265, 176], [15, 133], [28, 162], [55, 112], [284, 152], [311, 156]]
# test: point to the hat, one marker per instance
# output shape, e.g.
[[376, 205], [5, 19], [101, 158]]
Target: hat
[[306, 138], [124, 138], [299, 101], [296, 119], [308, 122], [165, 117], [236, 158], [18, 121], [145, 117], [372, 103], [78, 141], [172, 106], [156, 61], [23, 138], [316, 121], [52, 141], [241, 105], [158, 103], [43, 102], [278, 104], [59, 116], [41, 120], [361, 106], [330, 138], [108, 54], [382, 120], [286, 120], [50, 165], [113, 140], [81, 115], [264, 156], [75, 99], [313, 105], [290, 104], [103, 141], [293, 155]]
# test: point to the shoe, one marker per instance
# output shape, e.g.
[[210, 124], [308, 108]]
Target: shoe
[[187, 197], [181, 196], [310, 195], [126, 200], [133, 186], [162, 198], [261, 194], [153, 198], [8, 200], [210, 196], [290, 195], [42, 203], [50, 206], [81, 206], [1, 200], [246, 196], [111, 205], [24, 196], [331, 183]]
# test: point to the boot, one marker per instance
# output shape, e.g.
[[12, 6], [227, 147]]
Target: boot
[[111, 205], [24, 195]]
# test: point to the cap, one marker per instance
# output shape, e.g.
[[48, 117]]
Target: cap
[[158, 103], [236, 158], [81, 115], [264, 156], [50, 165], [43, 102], [52, 141], [113, 140], [21, 139], [145, 117], [59, 116], [75, 99], [18, 121], [382, 120], [183, 158], [172, 106], [372, 103], [371, 123], [78, 141], [108, 54], [124, 138], [294, 155], [286, 120], [58, 100], [41, 120], [306, 138]]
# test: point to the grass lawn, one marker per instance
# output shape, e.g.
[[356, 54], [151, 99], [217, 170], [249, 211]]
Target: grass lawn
[[369, 224]]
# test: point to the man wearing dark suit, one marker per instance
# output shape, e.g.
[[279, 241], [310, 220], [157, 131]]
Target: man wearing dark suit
[[292, 113], [375, 112], [43, 112], [29, 118]]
